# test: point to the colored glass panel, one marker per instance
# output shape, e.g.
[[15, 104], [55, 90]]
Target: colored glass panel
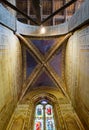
[[38, 124], [39, 117], [50, 125], [39, 111], [44, 102], [44, 117], [49, 111]]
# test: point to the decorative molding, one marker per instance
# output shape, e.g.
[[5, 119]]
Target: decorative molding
[[34, 31]]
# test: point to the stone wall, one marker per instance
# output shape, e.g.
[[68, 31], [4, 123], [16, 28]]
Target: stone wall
[[77, 72], [7, 19], [65, 116], [10, 74], [11, 10]]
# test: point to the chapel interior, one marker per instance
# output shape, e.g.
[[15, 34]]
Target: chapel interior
[[44, 64]]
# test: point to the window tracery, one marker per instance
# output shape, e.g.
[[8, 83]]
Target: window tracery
[[44, 116]]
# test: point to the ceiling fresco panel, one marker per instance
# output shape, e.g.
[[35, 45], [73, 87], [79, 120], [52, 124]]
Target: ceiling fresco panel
[[31, 63], [43, 80], [43, 45], [56, 62]]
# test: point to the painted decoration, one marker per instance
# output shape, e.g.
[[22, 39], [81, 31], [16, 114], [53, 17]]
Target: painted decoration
[[56, 62], [43, 45], [30, 63], [43, 80]]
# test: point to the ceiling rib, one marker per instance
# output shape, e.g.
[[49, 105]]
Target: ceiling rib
[[30, 47], [30, 80], [16, 9], [65, 37], [29, 18], [57, 11], [44, 63], [59, 83]]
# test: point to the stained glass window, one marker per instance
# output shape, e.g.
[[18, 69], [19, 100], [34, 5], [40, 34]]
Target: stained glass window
[[44, 117]]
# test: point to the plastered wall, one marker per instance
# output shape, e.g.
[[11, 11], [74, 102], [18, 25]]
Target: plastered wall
[[77, 72], [11, 10], [65, 116], [10, 74]]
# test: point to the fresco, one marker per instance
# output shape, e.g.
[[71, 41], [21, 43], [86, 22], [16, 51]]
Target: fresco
[[43, 80], [30, 64], [43, 45], [56, 62]]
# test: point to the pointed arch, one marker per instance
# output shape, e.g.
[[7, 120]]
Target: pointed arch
[[44, 116], [51, 120]]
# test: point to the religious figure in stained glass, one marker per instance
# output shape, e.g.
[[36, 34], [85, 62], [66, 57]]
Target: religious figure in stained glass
[[39, 111], [38, 125], [49, 110], [49, 125], [44, 117]]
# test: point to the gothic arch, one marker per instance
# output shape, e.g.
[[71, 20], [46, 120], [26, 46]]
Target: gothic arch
[[53, 101], [47, 96]]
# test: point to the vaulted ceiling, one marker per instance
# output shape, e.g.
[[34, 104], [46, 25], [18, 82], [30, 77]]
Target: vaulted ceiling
[[43, 59], [44, 63], [47, 12]]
